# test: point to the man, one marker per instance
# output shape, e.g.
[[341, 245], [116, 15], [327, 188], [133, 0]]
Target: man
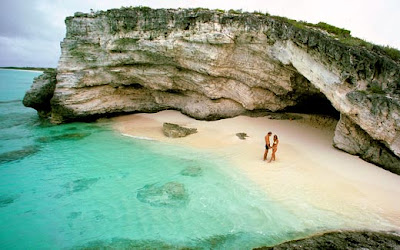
[[267, 145]]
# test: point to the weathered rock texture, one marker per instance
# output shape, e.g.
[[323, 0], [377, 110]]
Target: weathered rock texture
[[211, 65], [344, 240], [352, 139], [175, 131], [41, 92], [242, 136]]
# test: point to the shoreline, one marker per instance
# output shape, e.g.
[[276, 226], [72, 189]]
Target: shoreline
[[22, 69], [308, 174], [342, 240]]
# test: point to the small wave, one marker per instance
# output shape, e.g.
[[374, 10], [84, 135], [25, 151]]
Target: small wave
[[139, 137], [10, 101]]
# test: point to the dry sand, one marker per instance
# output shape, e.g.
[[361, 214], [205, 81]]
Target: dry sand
[[308, 173]]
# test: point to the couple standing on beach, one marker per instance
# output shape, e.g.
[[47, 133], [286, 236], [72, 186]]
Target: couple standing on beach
[[268, 146]]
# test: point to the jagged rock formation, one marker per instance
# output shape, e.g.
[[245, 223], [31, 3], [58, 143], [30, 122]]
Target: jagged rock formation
[[212, 64], [343, 240], [41, 92], [352, 139]]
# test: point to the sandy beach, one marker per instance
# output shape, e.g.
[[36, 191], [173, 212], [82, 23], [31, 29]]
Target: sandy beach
[[308, 172]]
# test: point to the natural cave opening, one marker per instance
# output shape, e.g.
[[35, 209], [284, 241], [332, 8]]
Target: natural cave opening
[[308, 98], [315, 104]]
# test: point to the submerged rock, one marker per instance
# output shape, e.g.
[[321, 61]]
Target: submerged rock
[[19, 154], [80, 185], [124, 243], [69, 136], [192, 171], [175, 131], [6, 200], [74, 215], [219, 241], [344, 240], [170, 194]]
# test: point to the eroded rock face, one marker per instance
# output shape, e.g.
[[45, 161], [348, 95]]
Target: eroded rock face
[[344, 240], [41, 92], [212, 65], [351, 138], [206, 64]]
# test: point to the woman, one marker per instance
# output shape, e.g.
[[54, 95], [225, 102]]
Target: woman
[[274, 148]]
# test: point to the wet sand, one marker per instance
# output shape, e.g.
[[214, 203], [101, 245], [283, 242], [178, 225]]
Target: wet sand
[[308, 172]]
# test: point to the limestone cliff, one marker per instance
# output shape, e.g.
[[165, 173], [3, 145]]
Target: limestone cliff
[[41, 92], [214, 64]]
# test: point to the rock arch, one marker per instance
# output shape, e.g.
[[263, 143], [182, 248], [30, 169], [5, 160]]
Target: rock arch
[[222, 65]]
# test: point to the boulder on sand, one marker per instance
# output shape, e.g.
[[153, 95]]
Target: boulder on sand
[[175, 131]]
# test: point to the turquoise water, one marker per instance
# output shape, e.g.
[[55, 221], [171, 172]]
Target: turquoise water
[[83, 185]]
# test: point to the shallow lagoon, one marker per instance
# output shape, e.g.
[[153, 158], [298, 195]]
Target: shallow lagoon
[[83, 185], [103, 188]]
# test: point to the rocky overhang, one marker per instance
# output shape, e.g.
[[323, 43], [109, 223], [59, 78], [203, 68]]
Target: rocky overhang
[[212, 64]]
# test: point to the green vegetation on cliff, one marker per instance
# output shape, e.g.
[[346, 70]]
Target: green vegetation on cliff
[[344, 36]]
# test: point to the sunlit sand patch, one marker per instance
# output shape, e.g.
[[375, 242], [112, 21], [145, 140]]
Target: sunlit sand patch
[[308, 173]]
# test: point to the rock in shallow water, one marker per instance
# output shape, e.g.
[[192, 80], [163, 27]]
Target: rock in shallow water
[[69, 136], [80, 185], [221, 241], [170, 194], [192, 171], [123, 243], [19, 154], [41, 92], [6, 200], [344, 240], [74, 215]]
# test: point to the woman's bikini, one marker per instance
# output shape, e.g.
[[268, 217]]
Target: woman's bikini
[[274, 144]]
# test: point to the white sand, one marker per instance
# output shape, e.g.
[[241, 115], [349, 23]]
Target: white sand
[[309, 171]]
